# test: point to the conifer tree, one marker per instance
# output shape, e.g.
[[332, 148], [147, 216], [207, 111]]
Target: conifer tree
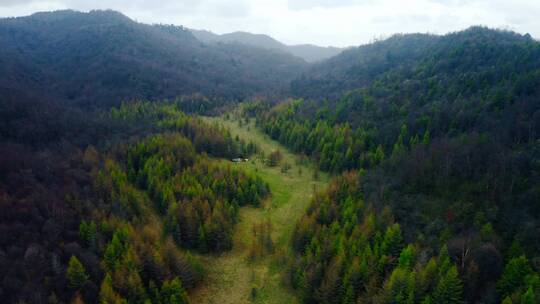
[[172, 292], [107, 295], [449, 290], [76, 274], [513, 277], [393, 241]]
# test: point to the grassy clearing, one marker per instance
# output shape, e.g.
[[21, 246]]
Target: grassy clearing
[[232, 277]]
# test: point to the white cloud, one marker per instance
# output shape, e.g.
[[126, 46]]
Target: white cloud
[[323, 22]]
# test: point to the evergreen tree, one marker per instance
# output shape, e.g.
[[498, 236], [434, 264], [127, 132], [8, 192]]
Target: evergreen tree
[[513, 277], [449, 290], [88, 232], [76, 274], [107, 295], [406, 258], [392, 241], [172, 292]]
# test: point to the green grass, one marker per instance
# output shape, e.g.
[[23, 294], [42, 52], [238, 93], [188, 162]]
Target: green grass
[[231, 275]]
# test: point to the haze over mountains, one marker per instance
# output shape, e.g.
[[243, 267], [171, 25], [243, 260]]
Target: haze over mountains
[[103, 57], [308, 52]]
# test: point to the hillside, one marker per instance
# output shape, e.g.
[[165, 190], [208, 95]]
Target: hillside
[[104, 57], [416, 57], [444, 134], [308, 52]]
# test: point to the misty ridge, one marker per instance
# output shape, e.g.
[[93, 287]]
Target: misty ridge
[[156, 163]]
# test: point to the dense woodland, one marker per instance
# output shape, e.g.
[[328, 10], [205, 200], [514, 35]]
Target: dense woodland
[[448, 142], [102, 58], [432, 141], [114, 222]]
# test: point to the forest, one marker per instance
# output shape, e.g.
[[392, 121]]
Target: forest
[[135, 158], [448, 151], [132, 211]]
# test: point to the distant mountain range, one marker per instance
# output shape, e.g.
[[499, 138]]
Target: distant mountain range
[[308, 52], [103, 57]]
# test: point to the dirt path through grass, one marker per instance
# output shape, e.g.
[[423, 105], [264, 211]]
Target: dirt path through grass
[[232, 277]]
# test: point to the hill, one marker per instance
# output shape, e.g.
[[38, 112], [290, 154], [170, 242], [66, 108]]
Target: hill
[[476, 49], [308, 52], [103, 57], [444, 134]]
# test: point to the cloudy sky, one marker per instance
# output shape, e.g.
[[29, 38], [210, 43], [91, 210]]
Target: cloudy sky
[[322, 22]]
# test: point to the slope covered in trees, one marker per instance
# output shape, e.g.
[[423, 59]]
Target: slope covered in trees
[[103, 57], [444, 131], [426, 62], [114, 223]]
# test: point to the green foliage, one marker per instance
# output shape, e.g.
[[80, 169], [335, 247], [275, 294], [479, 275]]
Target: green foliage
[[406, 257], [124, 59], [88, 233], [514, 276], [167, 116], [392, 241], [442, 130], [449, 289], [107, 295], [76, 274], [137, 203], [172, 292], [437, 127], [349, 252]]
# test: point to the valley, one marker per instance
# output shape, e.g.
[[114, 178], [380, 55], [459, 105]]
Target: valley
[[232, 276], [149, 163]]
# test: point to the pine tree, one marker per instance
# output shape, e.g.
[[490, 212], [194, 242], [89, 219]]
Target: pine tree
[[172, 292], [513, 277], [107, 295], [406, 258], [444, 260], [392, 241], [449, 290], [399, 147], [428, 277], [395, 286], [88, 232], [76, 274]]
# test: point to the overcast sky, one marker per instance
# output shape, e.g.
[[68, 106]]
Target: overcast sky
[[321, 22]]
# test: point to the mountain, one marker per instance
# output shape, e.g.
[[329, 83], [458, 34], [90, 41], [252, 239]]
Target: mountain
[[308, 52], [444, 132], [476, 50], [103, 57]]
